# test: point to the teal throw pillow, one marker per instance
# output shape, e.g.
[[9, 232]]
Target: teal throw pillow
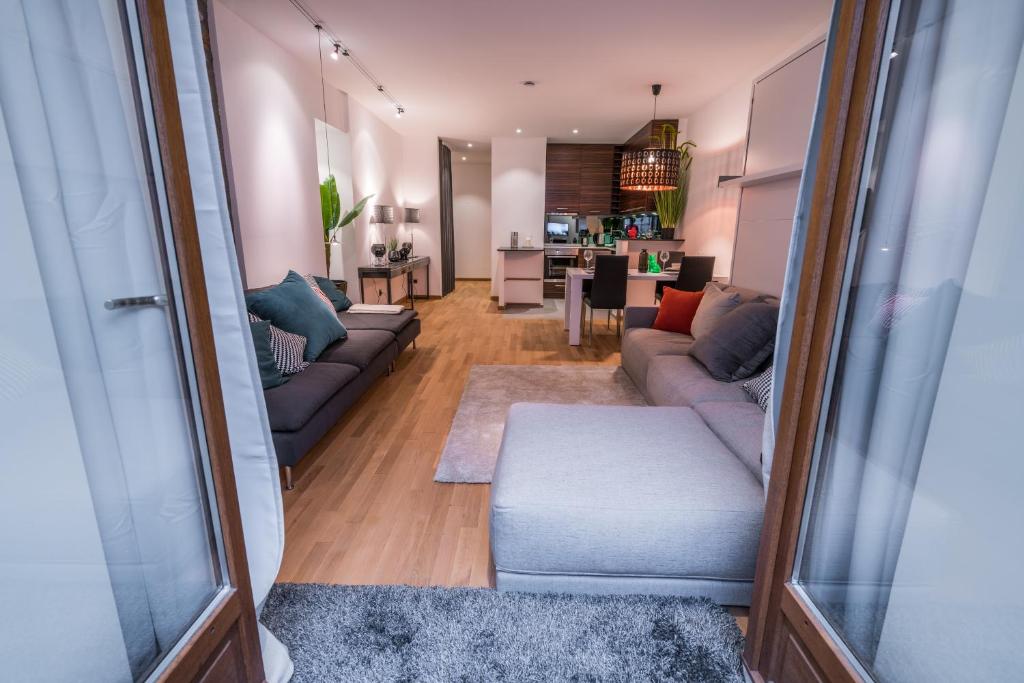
[[294, 308], [338, 298]]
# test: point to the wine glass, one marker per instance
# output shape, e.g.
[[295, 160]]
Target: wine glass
[[663, 256], [588, 256]]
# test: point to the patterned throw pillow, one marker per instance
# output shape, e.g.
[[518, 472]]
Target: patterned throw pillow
[[760, 388], [311, 281], [287, 347]]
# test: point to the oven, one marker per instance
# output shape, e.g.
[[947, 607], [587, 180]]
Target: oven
[[556, 259]]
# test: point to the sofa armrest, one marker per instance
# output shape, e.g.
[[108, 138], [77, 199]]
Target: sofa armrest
[[639, 316]]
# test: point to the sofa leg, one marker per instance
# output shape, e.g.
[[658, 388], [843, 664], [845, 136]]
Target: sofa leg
[[414, 343], [288, 485], [608, 324]]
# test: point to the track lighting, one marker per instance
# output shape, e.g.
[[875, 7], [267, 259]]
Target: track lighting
[[325, 34], [398, 112]]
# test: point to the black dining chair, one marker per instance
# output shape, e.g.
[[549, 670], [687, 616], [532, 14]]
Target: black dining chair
[[608, 291], [694, 273]]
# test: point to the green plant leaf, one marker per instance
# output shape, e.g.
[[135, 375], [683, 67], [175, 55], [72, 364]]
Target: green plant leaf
[[354, 213], [330, 205]]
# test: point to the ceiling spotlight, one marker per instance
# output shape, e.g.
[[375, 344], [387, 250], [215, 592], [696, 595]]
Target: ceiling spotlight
[[518, 131], [399, 112], [575, 131], [469, 144], [463, 158], [337, 52]]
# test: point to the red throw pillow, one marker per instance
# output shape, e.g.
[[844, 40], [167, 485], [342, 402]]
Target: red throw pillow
[[677, 310]]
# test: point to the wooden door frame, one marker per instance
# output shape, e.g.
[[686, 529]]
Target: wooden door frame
[[233, 622], [778, 612]]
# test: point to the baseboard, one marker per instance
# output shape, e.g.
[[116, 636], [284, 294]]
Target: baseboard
[[472, 279]]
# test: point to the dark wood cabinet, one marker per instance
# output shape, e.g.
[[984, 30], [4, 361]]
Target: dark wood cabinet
[[580, 179], [562, 188], [597, 163]]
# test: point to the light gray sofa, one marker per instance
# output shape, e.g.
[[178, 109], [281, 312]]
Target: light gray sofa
[[665, 499]]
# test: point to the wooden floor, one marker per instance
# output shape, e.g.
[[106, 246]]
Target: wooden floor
[[365, 508]]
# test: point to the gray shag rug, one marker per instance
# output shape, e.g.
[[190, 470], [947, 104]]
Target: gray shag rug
[[401, 633], [471, 451]]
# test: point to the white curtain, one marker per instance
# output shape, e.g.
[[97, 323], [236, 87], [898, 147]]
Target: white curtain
[[952, 68], [76, 189], [256, 470], [71, 128]]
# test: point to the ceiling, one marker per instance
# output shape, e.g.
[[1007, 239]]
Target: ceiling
[[456, 66]]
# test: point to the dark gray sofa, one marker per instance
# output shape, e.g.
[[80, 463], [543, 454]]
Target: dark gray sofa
[[303, 409]]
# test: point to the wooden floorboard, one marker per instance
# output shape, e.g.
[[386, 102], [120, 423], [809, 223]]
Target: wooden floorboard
[[365, 508]]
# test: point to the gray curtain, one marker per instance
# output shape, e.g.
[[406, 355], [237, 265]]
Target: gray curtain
[[945, 99], [447, 220]]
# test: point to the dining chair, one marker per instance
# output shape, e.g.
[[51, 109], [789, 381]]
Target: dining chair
[[694, 273], [608, 291]]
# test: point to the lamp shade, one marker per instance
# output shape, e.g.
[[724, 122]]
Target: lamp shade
[[382, 213], [412, 215], [652, 169]]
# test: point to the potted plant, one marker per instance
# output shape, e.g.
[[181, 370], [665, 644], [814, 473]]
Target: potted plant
[[671, 204], [393, 253], [330, 210]]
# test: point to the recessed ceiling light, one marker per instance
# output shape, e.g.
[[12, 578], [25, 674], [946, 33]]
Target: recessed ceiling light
[[518, 131], [894, 54], [529, 84], [575, 131], [469, 144], [463, 158]]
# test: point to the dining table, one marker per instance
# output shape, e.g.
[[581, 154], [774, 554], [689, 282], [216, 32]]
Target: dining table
[[640, 291]]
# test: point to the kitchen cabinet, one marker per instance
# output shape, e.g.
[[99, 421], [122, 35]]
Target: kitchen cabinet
[[580, 179], [562, 182], [597, 163]]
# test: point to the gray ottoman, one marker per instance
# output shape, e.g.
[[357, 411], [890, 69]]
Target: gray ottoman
[[613, 499]]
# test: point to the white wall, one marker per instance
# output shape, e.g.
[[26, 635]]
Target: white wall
[[271, 101], [780, 126], [471, 199], [421, 189], [517, 193], [720, 130]]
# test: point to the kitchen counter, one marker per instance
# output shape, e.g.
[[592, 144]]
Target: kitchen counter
[[520, 276]]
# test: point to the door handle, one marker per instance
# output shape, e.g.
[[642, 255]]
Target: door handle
[[135, 302]]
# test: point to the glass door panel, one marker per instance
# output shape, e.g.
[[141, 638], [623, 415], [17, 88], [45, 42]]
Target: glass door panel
[[109, 540], [911, 545]]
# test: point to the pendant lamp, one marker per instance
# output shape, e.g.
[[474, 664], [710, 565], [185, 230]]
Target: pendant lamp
[[654, 168]]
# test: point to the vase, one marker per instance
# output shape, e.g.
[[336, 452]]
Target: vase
[[642, 261]]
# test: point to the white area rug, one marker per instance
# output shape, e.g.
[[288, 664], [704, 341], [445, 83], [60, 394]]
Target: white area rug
[[472, 448]]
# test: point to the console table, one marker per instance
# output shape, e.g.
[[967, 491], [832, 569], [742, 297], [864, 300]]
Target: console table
[[394, 269]]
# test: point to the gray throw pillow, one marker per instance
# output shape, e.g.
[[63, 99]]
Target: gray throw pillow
[[739, 343], [713, 305]]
